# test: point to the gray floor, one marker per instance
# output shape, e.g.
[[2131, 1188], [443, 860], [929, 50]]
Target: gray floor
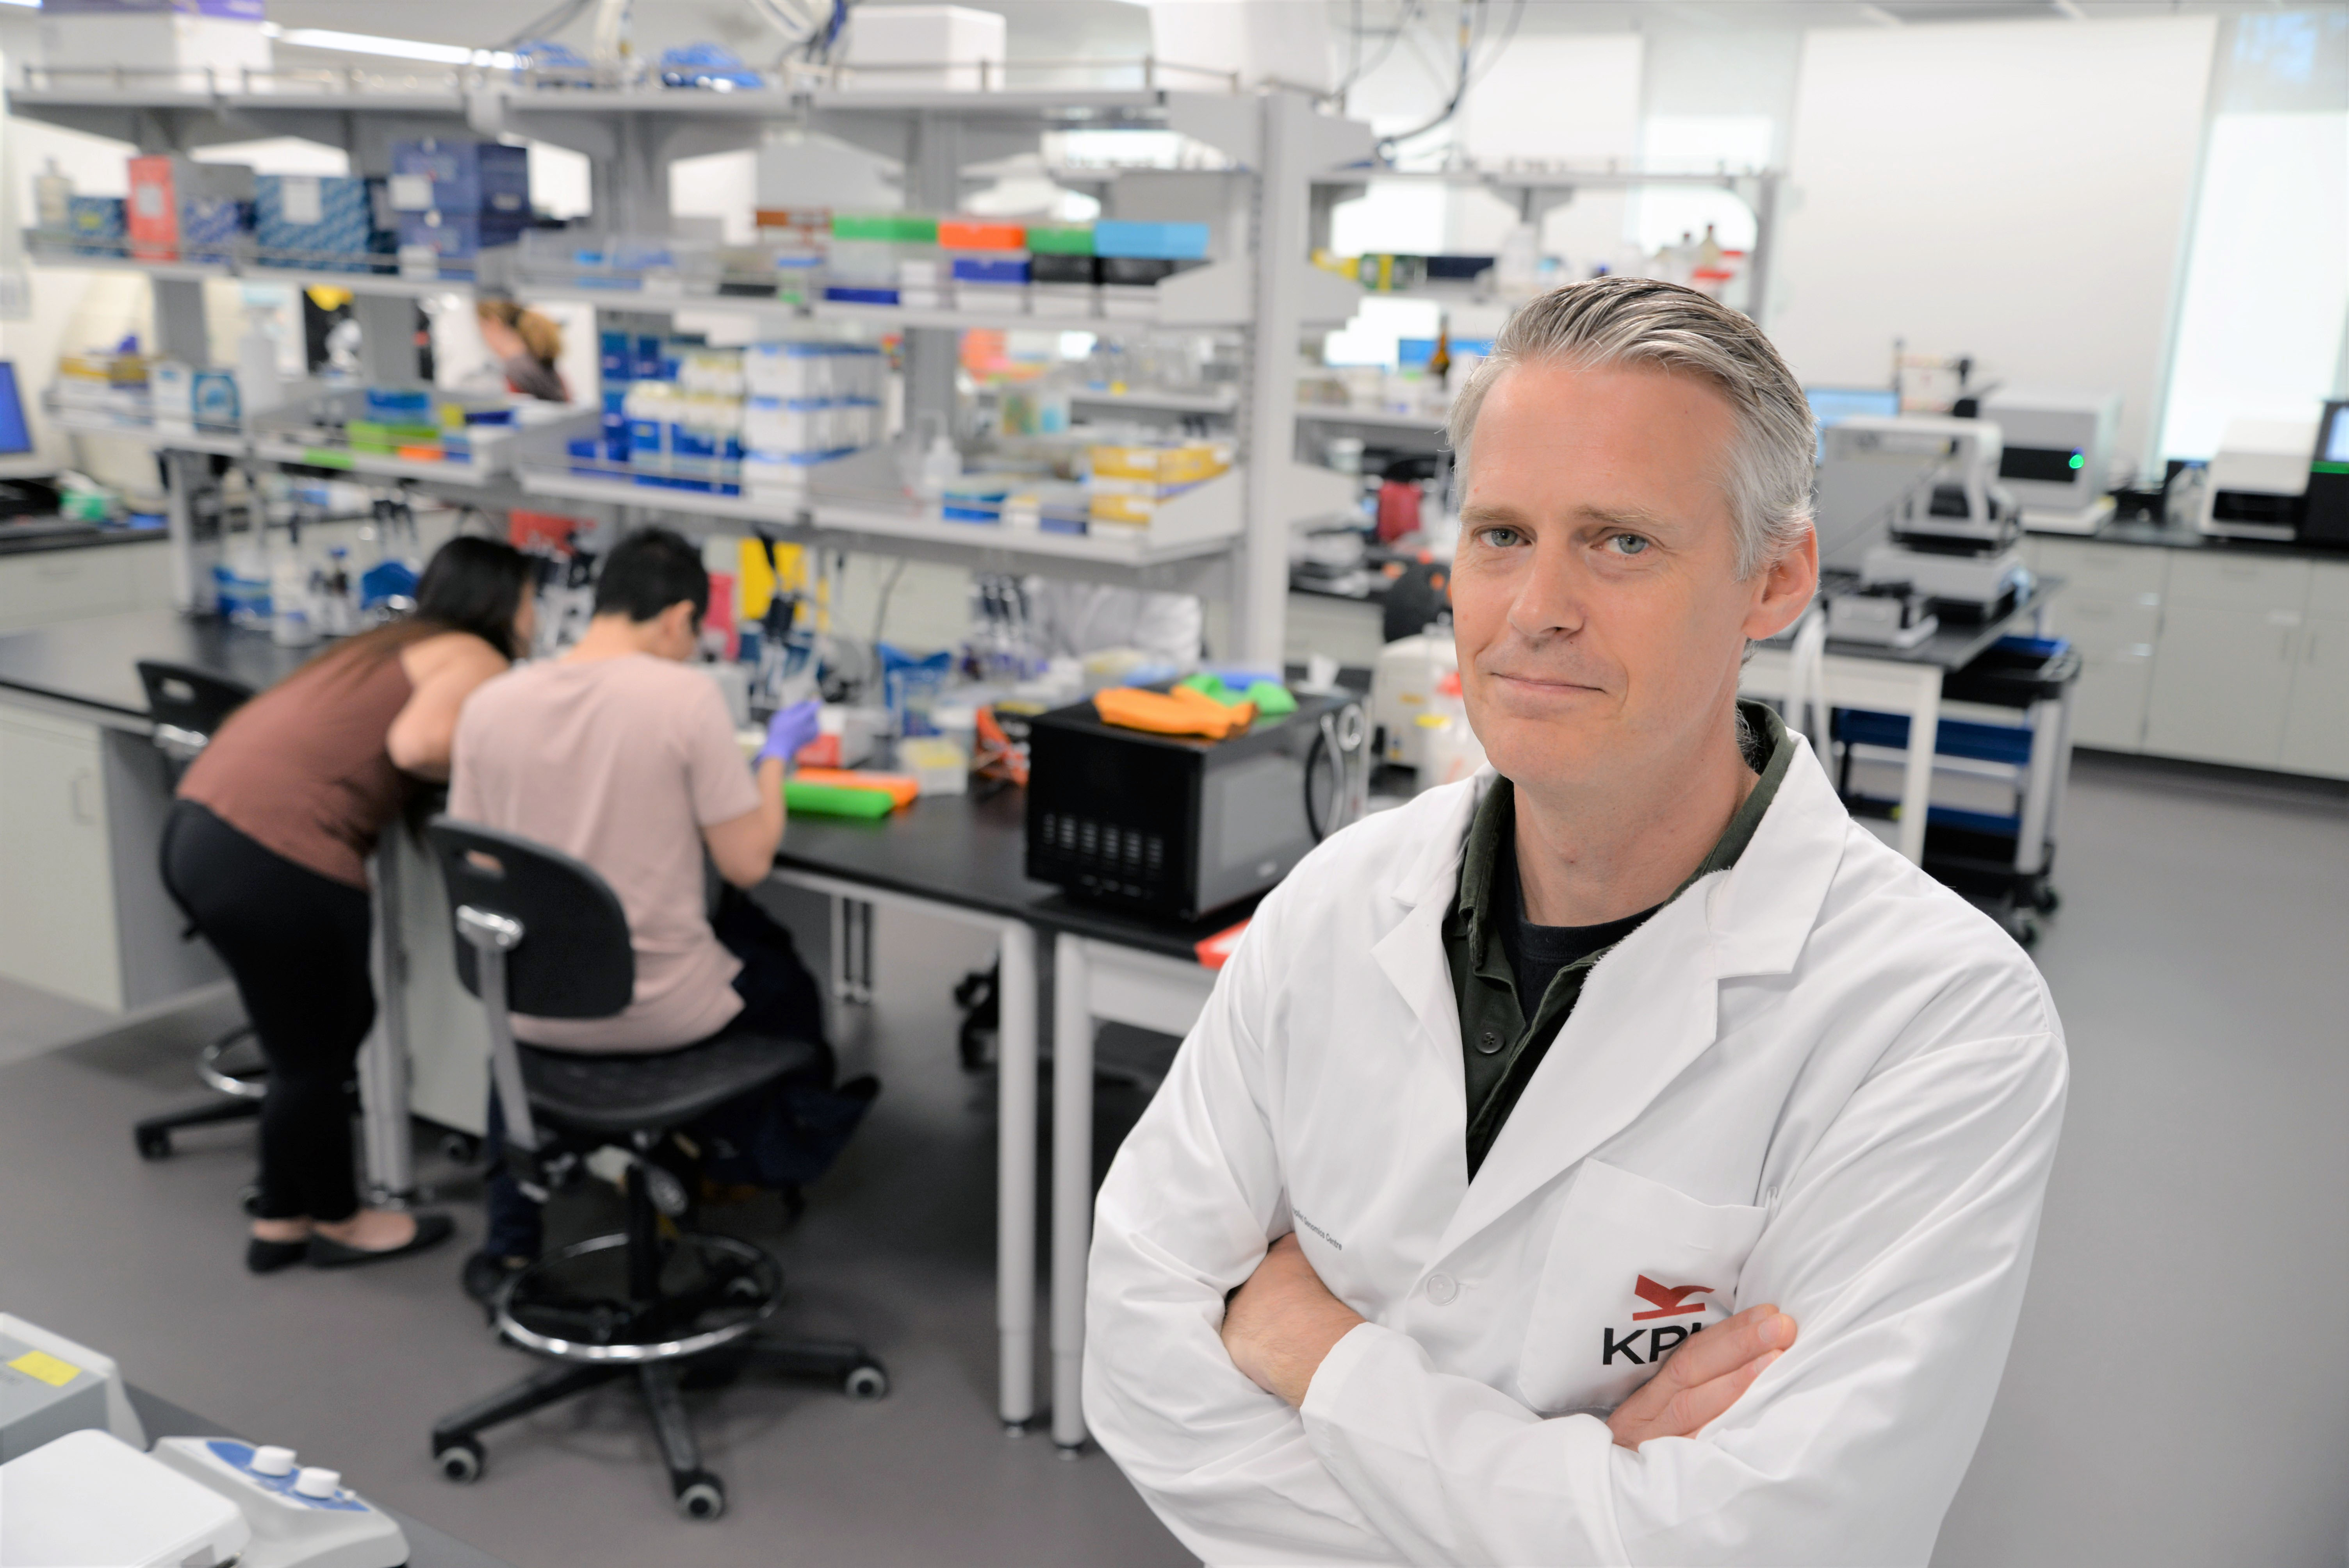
[[2176, 1395], [144, 1261]]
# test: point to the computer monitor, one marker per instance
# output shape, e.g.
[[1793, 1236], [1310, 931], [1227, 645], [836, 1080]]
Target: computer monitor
[[2333, 434], [1834, 404], [15, 435]]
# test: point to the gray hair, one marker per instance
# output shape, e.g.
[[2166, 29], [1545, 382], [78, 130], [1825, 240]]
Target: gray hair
[[1614, 321]]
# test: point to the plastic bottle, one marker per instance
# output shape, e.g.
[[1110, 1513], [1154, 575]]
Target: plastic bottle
[[293, 618], [53, 198], [1517, 271], [338, 604], [258, 384], [244, 588], [941, 465]]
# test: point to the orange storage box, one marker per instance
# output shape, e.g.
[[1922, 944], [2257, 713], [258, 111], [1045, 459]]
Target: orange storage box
[[981, 235]]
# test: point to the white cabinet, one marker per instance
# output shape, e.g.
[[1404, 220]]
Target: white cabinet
[[43, 586], [2316, 724], [57, 912], [2231, 645], [150, 568], [2110, 610], [2222, 680]]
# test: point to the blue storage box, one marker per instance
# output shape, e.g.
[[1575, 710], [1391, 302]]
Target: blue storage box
[[318, 217], [861, 296], [476, 177], [1164, 242], [98, 224], [455, 237], [990, 270], [615, 361]]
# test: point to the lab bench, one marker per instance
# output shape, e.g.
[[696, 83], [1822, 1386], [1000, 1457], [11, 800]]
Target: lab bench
[[83, 795]]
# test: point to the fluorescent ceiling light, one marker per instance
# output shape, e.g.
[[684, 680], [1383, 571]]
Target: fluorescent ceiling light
[[27, 4], [398, 48]]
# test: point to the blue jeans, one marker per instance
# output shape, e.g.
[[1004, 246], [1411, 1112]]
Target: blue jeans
[[785, 1134]]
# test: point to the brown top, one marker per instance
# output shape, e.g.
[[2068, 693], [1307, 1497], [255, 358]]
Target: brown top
[[303, 769]]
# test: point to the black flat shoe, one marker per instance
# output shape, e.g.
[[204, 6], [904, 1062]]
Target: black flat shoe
[[485, 1276], [268, 1257], [432, 1230]]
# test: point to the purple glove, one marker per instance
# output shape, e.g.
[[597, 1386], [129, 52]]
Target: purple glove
[[791, 728]]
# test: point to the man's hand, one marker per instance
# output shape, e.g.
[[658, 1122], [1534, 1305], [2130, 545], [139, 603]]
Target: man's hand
[[1701, 1377], [1278, 1325]]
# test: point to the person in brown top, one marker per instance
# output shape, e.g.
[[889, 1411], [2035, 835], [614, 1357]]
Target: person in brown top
[[266, 849]]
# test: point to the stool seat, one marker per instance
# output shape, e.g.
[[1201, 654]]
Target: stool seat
[[605, 1091]]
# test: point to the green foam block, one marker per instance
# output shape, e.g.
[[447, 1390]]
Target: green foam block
[[836, 801]]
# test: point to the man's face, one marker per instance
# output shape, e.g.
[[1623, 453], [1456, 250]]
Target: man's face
[[1595, 598]]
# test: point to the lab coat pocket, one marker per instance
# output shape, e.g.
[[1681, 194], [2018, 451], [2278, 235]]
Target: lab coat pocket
[[1634, 1268]]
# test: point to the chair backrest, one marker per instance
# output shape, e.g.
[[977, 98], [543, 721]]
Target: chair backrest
[[572, 958], [188, 705], [1417, 600]]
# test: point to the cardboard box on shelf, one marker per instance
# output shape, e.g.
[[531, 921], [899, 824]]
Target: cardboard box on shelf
[[180, 210]]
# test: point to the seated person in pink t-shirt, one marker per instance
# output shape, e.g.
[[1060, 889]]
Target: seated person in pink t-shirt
[[622, 755]]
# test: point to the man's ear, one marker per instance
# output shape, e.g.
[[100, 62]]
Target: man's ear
[[1786, 589]]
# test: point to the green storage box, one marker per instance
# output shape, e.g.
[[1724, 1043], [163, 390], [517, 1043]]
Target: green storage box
[[893, 228], [1061, 238]]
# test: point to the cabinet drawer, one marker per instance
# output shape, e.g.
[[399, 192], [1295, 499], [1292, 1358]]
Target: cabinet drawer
[[2105, 570], [59, 584], [2220, 682], [2215, 580], [2108, 705], [2101, 625], [2328, 590]]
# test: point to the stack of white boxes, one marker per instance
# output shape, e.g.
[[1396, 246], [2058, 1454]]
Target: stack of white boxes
[[188, 46], [808, 402]]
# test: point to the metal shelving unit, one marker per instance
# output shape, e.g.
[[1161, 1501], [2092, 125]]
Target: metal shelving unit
[[1262, 287]]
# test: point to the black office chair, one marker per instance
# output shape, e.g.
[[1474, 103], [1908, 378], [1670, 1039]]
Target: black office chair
[[538, 933], [1417, 600], [188, 705]]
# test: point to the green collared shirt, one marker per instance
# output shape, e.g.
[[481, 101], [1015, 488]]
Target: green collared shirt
[[1500, 1050]]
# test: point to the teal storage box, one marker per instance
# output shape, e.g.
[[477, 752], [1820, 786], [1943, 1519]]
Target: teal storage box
[[1162, 242]]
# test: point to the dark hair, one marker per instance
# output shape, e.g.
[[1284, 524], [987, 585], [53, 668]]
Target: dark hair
[[649, 570], [471, 584], [475, 584]]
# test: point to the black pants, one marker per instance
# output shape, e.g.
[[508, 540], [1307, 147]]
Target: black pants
[[787, 1133], [296, 944]]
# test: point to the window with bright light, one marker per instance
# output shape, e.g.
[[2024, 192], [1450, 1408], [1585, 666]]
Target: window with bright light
[[2267, 280]]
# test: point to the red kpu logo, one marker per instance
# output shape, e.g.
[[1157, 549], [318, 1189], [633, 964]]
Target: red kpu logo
[[1669, 1301]]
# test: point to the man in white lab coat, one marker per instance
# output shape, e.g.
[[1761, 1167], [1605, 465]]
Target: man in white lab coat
[[1624, 1159]]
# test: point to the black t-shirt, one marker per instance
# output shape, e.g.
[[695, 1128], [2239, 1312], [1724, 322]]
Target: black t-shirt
[[1537, 953]]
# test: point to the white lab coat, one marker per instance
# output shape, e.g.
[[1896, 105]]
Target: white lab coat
[[1080, 618], [1818, 1078]]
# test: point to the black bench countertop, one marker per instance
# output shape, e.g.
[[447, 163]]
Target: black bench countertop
[[964, 850], [94, 662]]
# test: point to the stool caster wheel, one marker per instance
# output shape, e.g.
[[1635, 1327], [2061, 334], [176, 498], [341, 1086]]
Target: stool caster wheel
[[461, 1149], [866, 1383], [248, 1198], [460, 1462], [699, 1496], [2049, 900], [153, 1145]]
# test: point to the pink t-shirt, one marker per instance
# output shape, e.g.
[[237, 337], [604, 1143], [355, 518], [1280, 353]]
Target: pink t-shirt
[[619, 763]]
